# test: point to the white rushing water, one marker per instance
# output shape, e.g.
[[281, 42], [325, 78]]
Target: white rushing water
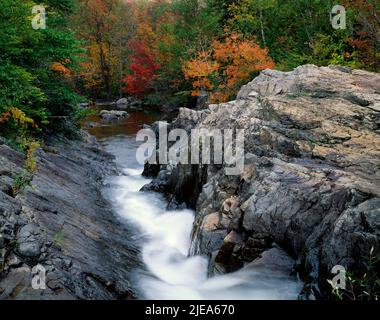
[[169, 272]]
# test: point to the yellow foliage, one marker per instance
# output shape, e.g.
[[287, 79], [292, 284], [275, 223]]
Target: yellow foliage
[[20, 118], [30, 147]]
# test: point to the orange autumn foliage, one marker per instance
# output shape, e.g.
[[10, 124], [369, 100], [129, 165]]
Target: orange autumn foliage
[[221, 70], [60, 68]]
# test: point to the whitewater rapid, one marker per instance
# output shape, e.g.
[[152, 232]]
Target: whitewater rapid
[[169, 272]]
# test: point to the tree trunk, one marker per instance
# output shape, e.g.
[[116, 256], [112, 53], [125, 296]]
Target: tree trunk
[[262, 24]]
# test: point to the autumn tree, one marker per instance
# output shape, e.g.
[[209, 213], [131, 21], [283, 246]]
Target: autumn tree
[[143, 70], [230, 63], [365, 30], [105, 28], [173, 32]]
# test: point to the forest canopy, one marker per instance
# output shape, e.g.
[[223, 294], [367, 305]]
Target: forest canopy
[[165, 51], [148, 48]]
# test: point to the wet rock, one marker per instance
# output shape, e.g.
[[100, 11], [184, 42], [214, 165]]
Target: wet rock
[[29, 242], [8, 206], [13, 261], [110, 115], [277, 260], [128, 102], [30, 249], [19, 277], [210, 235], [123, 102], [255, 246], [151, 170], [160, 183], [227, 257], [6, 184]]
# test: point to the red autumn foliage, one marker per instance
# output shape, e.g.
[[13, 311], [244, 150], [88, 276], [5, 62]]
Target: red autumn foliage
[[4, 117], [143, 68]]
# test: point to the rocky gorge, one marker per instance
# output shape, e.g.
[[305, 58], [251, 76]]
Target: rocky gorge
[[307, 200], [311, 181]]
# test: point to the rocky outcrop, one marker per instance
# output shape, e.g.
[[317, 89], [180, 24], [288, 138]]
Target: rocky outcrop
[[61, 222], [311, 180]]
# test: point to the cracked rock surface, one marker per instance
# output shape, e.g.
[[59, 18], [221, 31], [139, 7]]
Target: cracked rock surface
[[61, 221], [311, 180]]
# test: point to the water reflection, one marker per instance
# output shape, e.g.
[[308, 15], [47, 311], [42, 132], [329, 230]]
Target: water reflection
[[126, 126]]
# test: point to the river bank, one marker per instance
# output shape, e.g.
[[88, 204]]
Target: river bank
[[62, 222]]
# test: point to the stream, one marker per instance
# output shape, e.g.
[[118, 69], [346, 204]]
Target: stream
[[167, 271]]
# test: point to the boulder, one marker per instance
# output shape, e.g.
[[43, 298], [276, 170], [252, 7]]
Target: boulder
[[83, 105], [123, 102], [29, 241], [110, 115], [128, 102]]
